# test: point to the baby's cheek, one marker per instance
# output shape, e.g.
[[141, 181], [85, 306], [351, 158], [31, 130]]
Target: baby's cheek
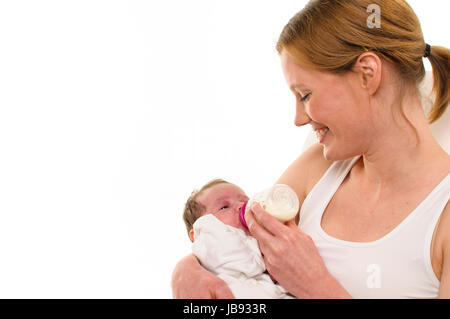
[[235, 222], [229, 219]]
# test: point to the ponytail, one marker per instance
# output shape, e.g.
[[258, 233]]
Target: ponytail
[[440, 61]]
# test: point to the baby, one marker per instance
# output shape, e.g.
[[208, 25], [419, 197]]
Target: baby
[[223, 245]]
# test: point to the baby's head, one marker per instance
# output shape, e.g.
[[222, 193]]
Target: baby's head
[[218, 197]]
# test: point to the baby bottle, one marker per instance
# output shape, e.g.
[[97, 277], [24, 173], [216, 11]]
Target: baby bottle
[[280, 201]]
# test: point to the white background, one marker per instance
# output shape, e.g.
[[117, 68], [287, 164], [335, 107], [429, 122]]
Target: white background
[[112, 112]]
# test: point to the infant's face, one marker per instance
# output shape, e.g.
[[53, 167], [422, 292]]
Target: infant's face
[[224, 201]]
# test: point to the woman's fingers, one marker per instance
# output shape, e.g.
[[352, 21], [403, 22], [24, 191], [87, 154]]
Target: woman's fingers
[[267, 221], [221, 291], [256, 227], [291, 224]]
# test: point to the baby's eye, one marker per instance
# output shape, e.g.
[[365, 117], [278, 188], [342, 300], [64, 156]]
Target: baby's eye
[[224, 207]]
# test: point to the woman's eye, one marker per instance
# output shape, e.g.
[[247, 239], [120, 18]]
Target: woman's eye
[[305, 98]]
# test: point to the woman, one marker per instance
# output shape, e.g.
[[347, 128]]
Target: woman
[[374, 219]]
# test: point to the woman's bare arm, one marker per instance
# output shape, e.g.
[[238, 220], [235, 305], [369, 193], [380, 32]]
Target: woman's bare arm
[[444, 225], [305, 172], [191, 281]]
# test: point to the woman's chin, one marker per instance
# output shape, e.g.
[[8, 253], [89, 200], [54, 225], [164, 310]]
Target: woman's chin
[[333, 153], [328, 155]]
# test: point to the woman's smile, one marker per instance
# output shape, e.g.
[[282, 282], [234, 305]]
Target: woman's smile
[[322, 133]]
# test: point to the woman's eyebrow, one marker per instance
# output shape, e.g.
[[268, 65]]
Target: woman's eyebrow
[[293, 87]]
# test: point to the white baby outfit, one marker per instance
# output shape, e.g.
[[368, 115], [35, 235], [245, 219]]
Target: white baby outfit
[[234, 257]]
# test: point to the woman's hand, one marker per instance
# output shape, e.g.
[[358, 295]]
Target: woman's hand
[[291, 257], [191, 281]]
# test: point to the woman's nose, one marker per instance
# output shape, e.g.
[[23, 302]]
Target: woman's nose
[[301, 116]]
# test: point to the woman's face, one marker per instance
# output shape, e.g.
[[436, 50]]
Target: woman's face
[[334, 105]]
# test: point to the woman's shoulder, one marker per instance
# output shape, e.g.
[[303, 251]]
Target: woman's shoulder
[[305, 171]]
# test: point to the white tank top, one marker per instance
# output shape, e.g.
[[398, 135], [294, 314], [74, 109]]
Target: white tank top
[[398, 265]]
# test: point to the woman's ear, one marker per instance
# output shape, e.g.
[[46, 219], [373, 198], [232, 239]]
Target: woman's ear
[[369, 67], [191, 235]]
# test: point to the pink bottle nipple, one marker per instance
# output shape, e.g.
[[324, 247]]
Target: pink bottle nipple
[[241, 215]]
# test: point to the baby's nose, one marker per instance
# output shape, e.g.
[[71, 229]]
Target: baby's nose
[[238, 206]]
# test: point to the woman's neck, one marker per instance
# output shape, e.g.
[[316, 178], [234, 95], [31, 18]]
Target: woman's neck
[[402, 154]]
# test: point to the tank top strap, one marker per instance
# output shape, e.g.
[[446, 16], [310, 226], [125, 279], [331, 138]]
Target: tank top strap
[[320, 195], [436, 201]]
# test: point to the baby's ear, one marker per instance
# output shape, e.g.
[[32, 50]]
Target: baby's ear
[[191, 235]]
